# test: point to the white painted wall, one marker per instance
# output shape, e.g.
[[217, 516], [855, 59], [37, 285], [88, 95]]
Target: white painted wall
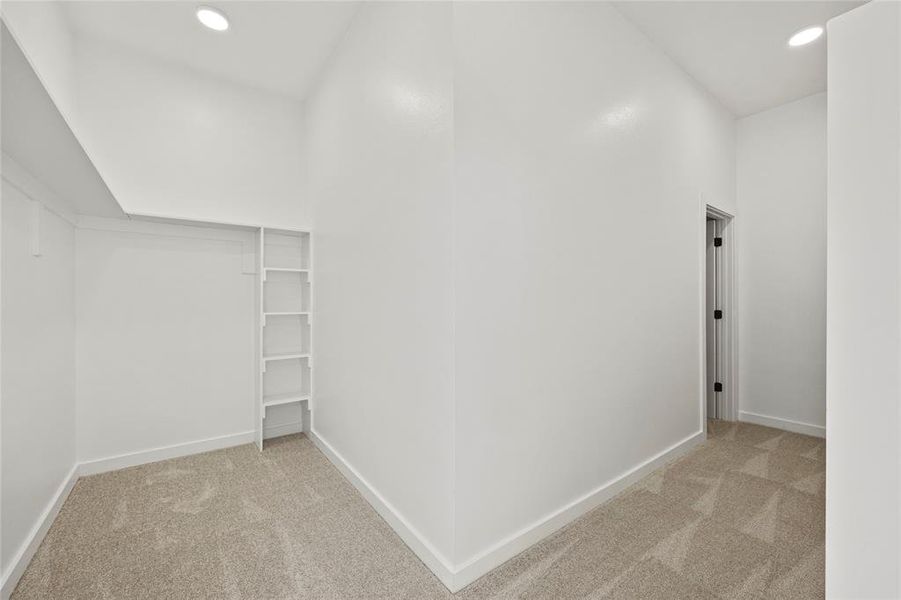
[[176, 142], [582, 155], [781, 187], [37, 370], [863, 385], [473, 293], [379, 158], [165, 317], [43, 33], [167, 139]]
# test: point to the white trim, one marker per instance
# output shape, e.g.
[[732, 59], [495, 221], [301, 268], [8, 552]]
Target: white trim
[[142, 457], [506, 549], [420, 546], [283, 429], [457, 577], [786, 424], [728, 271], [102, 465], [204, 222], [33, 542], [702, 312], [183, 229], [453, 577], [259, 324]]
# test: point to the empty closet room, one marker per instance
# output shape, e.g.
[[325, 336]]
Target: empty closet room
[[481, 300]]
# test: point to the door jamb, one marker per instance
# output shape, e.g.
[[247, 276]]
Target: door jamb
[[729, 306]]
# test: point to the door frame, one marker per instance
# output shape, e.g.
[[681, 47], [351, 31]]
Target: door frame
[[729, 306]]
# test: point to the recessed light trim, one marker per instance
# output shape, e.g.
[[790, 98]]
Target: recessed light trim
[[213, 18], [805, 36]]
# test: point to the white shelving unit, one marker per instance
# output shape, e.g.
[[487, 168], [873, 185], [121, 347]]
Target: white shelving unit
[[284, 346]]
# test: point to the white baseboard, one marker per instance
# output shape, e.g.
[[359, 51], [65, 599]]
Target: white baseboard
[[427, 553], [283, 429], [453, 577], [786, 424], [506, 549], [112, 463], [27, 550], [457, 577], [132, 459]]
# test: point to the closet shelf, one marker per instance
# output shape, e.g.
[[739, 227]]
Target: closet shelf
[[283, 348], [286, 356], [279, 399], [286, 270]]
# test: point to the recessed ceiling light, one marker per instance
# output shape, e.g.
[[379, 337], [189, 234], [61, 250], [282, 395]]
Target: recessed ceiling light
[[212, 18], [805, 36]]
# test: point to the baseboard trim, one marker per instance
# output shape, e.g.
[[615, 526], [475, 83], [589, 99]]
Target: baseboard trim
[[456, 578], [143, 457], [27, 550], [283, 429], [453, 577], [427, 553], [786, 424], [102, 465], [506, 549]]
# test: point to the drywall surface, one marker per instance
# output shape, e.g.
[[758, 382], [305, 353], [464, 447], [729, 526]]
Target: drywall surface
[[39, 140], [165, 318], [379, 161], [38, 365], [41, 29], [863, 533], [166, 139], [583, 156], [781, 187], [176, 142]]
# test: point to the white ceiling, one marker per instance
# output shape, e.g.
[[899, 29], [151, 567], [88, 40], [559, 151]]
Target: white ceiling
[[736, 49], [739, 50], [39, 140], [271, 45]]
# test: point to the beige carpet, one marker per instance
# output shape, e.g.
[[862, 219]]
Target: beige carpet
[[741, 517]]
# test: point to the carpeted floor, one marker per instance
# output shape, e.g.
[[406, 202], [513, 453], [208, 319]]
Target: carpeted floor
[[741, 517]]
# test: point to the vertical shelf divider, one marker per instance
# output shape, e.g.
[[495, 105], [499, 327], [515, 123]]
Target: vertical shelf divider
[[259, 412]]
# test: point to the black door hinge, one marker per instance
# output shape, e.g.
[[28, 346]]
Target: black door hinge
[[717, 314], [717, 241], [717, 387]]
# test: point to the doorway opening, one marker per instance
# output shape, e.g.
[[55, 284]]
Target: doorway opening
[[719, 311]]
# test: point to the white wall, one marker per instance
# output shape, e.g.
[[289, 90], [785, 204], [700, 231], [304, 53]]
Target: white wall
[[582, 155], [483, 339], [379, 157], [43, 33], [172, 141], [167, 139], [166, 330], [38, 368], [863, 385], [781, 187]]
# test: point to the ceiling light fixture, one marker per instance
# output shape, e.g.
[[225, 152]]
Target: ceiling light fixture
[[805, 36], [212, 18]]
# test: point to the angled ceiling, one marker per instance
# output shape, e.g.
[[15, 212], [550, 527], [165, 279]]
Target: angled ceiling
[[735, 49], [274, 46], [38, 139], [739, 50]]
